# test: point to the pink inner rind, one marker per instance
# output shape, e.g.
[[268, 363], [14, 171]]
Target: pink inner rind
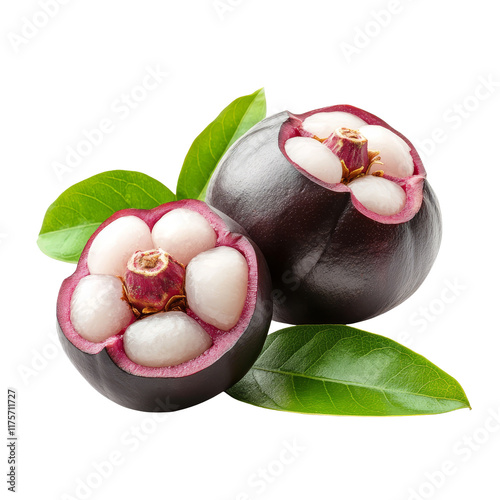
[[412, 185], [222, 341]]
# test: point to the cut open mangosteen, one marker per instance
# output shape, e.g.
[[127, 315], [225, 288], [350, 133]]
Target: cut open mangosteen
[[167, 307], [339, 204]]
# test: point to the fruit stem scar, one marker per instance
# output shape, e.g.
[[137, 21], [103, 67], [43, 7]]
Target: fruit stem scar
[[148, 261], [351, 146]]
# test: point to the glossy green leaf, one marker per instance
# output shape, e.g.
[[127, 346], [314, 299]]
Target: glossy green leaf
[[209, 147], [78, 212], [340, 370]]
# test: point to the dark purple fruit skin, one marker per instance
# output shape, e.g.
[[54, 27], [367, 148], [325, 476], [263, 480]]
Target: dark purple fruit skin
[[329, 263], [175, 393]]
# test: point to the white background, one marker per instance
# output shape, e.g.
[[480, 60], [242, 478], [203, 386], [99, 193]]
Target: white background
[[419, 65]]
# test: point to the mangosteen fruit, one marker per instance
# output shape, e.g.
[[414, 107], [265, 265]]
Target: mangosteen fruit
[[339, 203], [167, 307]]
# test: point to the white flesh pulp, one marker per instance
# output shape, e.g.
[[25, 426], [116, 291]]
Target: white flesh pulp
[[183, 234], [394, 152], [98, 310], [216, 286], [115, 244], [323, 125], [315, 158], [379, 195], [165, 339]]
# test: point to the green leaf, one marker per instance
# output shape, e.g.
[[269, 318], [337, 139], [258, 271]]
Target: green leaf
[[209, 147], [78, 212], [340, 370]]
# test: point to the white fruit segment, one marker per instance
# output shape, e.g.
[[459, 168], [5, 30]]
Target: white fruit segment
[[394, 152], [183, 234], [113, 246], [98, 310], [165, 339], [322, 125], [315, 158], [216, 286], [379, 195]]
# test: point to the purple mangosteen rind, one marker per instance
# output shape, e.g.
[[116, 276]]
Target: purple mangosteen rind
[[330, 261], [107, 368]]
